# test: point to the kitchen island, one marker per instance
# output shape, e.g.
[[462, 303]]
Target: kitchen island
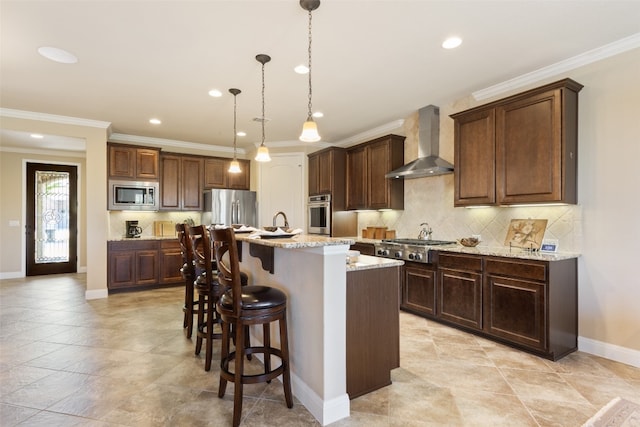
[[313, 272]]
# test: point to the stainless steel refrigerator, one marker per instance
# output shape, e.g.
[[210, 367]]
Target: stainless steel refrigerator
[[230, 207]]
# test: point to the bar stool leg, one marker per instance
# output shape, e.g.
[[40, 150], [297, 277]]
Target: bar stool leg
[[239, 369], [209, 339], [224, 353], [284, 348], [201, 305], [266, 339]]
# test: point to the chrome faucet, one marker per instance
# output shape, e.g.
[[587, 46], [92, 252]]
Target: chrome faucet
[[425, 233], [286, 222]]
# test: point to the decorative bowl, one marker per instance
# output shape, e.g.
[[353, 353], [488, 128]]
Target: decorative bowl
[[469, 241], [272, 228]]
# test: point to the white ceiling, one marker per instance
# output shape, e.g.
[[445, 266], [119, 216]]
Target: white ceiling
[[374, 62]]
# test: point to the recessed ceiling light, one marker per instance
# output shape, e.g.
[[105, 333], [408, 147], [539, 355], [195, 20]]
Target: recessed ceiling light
[[57, 55], [301, 69], [155, 121], [452, 42], [215, 93], [37, 136], [318, 114], [241, 133]]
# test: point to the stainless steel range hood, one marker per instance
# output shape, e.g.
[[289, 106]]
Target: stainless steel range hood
[[428, 162]]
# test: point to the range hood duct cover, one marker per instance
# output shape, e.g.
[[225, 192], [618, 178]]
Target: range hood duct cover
[[428, 162]]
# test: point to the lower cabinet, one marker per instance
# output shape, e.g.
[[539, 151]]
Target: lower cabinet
[[142, 264], [364, 248], [460, 289], [528, 304], [419, 288]]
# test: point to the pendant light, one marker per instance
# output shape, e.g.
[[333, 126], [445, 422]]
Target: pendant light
[[263, 152], [234, 167], [309, 129]]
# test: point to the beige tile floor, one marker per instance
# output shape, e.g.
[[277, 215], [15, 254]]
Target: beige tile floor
[[124, 361]]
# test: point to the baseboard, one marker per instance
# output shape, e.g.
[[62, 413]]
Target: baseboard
[[11, 275], [325, 411], [96, 294], [610, 351]]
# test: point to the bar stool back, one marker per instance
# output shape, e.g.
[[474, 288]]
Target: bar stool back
[[242, 306]]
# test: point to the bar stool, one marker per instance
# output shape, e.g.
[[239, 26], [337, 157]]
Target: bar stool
[[208, 289], [240, 307], [188, 272]]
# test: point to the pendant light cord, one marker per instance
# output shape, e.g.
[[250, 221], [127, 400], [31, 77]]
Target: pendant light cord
[[235, 97], [310, 90], [262, 104]]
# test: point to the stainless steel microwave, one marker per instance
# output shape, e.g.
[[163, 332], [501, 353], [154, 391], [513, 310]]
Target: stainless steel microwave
[[134, 196]]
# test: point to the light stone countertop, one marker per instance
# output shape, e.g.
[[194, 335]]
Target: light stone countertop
[[507, 252], [137, 239], [367, 262], [296, 242]]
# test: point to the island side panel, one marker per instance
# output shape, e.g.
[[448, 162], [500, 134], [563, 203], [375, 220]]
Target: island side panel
[[373, 328]]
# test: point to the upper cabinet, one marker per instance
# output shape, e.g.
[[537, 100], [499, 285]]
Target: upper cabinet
[[216, 174], [181, 182], [521, 149], [367, 164], [327, 175], [133, 163]]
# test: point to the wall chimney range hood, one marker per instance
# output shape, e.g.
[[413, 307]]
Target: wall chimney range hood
[[428, 162]]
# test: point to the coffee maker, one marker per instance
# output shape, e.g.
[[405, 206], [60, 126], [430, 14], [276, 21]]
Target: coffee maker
[[132, 229]]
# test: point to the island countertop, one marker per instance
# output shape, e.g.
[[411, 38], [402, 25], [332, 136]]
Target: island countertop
[[299, 241]]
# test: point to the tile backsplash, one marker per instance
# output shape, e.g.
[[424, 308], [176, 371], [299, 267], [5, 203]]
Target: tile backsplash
[[431, 200], [117, 221]]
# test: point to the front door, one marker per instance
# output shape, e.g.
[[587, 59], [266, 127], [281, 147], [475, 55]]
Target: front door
[[51, 219]]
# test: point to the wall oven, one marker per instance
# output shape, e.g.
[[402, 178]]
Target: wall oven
[[133, 195], [319, 221]]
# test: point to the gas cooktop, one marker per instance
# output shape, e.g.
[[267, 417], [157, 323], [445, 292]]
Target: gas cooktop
[[418, 242]]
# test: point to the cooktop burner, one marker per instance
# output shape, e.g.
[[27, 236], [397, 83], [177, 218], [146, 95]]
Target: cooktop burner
[[418, 242]]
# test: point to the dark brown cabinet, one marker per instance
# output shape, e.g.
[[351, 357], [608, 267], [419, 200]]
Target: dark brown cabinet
[[460, 289], [181, 182], [170, 262], [367, 164], [143, 263], [521, 149], [364, 248], [529, 304], [419, 288], [216, 174], [327, 169], [133, 163]]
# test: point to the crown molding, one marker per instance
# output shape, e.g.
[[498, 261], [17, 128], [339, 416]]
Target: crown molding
[[376, 132], [150, 141], [53, 118], [594, 55], [44, 152]]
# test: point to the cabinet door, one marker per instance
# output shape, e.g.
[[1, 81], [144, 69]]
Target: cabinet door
[[122, 162], [419, 289], [191, 183], [529, 149], [147, 164], [314, 172], [460, 297], [378, 159], [170, 182], [475, 153], [364, 248], [242, 180], [325, 172], [517, 311], [147, 267], [357, 178], [122, 272], [215, 173], [170, 262]]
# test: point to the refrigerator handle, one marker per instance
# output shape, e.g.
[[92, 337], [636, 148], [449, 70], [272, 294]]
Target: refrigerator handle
[[235, 210]]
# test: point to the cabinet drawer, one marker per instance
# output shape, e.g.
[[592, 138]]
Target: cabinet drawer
[[133, 245], [526, 270], [461, 262]]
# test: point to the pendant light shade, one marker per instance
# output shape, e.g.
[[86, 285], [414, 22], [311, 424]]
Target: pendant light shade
[[234, 167], [263, 152], [309, 129]]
